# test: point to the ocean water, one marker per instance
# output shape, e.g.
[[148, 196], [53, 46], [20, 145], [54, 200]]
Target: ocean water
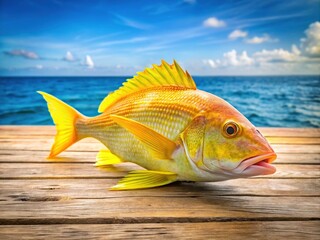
[[279, 101]]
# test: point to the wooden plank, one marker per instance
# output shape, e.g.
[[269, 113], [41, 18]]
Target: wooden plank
[[282, 148], [293, 230], [45, 145], [25, 156], [27, 130], [290, 132], [158, 209], [94, 145], [296, 158], [15, 190], [294, 140], [272, 140], [63, 170], [85, 170], [50, 130]]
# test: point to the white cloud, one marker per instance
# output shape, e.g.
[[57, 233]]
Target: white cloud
[[22, 53], [259, 40], [39, 67], [256, 40], [237, 34], [245, 60], [311, 44], [303, 59], [210, 62], [69, 57], [295, 50], [214, 22], [89, 62], [231, 58], [278, 55], [234, 59]]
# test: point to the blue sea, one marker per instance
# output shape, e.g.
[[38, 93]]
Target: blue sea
[[277, 101]]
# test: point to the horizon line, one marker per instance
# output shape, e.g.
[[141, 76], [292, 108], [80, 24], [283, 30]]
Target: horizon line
[[130, 76]]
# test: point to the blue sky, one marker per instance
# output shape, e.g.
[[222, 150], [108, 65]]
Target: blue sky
[[99, 38]]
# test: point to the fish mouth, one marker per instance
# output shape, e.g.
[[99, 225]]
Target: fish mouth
[[258, 165]]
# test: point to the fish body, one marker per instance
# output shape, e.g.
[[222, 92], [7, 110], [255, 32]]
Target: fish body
[[166, 110], [162, 122]]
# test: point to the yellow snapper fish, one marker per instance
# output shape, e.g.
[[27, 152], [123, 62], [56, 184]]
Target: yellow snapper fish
[[159, 120]]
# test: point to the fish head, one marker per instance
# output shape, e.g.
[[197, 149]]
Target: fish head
[[232, 146]]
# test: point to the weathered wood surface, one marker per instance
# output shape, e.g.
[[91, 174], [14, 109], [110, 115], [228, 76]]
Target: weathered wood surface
[[204, 230], [69, 197]]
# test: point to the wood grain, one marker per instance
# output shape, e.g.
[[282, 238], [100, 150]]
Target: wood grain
[[156, 209], [19, 156], [293, 230], [87, 170], [13, 190], [93, 145]]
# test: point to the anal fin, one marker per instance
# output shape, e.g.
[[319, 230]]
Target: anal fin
[[145, 179], [105, 157]]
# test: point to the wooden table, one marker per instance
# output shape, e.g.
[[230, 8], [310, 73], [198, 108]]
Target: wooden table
[[69, 197]]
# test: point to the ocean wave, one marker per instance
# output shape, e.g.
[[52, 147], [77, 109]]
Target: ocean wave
[[284, 101], [307, 112]]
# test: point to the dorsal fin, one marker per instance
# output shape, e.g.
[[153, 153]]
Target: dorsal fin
[[163, 75]]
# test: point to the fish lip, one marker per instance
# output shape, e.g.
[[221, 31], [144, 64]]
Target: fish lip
[[267, 157]]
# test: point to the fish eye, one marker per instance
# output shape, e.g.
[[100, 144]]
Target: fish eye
[[231, 129]]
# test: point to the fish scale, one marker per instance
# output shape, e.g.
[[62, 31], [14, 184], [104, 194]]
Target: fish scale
[[166, 118]]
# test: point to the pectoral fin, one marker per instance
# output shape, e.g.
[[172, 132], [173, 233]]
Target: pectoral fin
[[105, 157], [145, 179], [159, 146]]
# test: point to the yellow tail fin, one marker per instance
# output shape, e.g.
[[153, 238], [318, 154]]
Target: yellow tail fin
[[64, 117]]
